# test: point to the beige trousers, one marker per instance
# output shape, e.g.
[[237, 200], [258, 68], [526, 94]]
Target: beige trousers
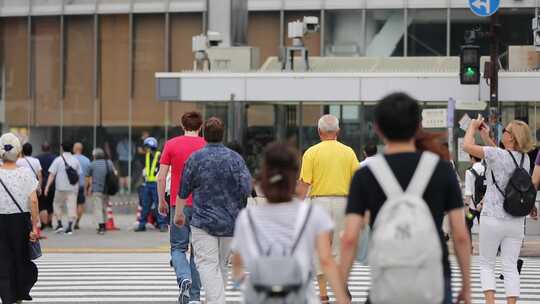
[[65, 200], [100, 201], [335, 207]]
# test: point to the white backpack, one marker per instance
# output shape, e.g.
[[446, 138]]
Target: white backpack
[[405, 249]]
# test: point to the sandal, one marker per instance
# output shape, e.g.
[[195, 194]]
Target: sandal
[[325, 299]]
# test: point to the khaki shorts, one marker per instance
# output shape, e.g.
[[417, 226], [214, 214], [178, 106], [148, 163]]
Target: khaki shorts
[[335, 207]]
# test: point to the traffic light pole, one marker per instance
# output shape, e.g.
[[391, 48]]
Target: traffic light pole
[[494, 68]]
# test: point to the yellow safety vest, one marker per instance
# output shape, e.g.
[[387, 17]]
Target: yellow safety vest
[[151, 167]]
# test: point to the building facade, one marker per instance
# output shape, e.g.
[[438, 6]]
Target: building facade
[[84, 69]]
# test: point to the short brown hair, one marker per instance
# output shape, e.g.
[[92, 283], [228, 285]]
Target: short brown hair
[[214, 130], [279, 172], [192, 121]]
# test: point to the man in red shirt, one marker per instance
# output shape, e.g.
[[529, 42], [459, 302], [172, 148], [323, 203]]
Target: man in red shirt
[[176, 152]]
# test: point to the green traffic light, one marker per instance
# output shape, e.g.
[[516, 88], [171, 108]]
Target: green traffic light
[[470, 72]]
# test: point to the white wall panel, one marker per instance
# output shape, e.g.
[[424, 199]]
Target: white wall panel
[[212, 89], [422, 88], [371, 4], [264, 5], [303, 4], [303, 89], [427, 3], [344, 4], [348, 86]]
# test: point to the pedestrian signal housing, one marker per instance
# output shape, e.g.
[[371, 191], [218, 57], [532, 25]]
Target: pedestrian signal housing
[[469, 64]]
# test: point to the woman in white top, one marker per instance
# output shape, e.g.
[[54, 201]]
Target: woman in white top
[[498, 228], [276, 224], [18, 225]]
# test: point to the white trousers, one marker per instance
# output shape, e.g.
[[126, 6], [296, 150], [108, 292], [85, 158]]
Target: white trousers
[[212, 258], [508, 234]]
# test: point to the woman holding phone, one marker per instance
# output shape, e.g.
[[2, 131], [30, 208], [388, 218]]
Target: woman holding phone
[[498, 228]]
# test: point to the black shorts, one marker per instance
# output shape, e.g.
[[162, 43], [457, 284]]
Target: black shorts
[[81, 199], [46, 202], [123, 168]]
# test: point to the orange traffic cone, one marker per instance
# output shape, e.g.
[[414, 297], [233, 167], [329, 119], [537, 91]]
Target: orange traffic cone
[[139, 212], [109, 225]]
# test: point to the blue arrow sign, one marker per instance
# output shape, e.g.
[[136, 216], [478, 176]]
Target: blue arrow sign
[[484, 8]]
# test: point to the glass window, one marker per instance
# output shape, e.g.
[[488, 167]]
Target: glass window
[[384, 33], [427, 32], [464, 20], [344, 33]]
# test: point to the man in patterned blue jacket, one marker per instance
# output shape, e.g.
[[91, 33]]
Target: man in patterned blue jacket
[[220, 182]]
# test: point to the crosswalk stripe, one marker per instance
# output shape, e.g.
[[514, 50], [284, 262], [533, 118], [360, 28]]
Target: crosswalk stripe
[[148, 278]]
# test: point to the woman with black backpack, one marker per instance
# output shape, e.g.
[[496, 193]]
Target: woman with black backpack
[[510, 196], [276, 242]]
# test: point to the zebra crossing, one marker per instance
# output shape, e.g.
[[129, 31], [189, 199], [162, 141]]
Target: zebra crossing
[[148, 278]]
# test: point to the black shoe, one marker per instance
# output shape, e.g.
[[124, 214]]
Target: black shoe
[[76, 227], [59, 229], [140, 229], [68, 231], [101, 229]]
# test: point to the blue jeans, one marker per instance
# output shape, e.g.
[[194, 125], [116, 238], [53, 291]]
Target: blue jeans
[[179, 246], [150, 204]]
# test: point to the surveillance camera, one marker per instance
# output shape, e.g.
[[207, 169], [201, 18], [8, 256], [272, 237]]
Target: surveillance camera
[[214, 38], [199, 43], [311, 24]]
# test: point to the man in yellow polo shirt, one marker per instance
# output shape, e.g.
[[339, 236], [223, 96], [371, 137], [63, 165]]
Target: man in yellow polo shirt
[[325, 177]]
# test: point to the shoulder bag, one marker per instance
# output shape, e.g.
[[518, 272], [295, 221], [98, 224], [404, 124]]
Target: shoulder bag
[[72, 174], [34, 248]]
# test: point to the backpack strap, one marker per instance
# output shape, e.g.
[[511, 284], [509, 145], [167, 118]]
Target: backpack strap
[[385, 177], [514, 159], [476, 175], [303, 218], [301, 222], [423, 173], [495, 183]]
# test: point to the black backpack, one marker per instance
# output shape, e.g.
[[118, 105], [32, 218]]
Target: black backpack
[[111, 181], [479, 186], [520, 194], [72, 174]]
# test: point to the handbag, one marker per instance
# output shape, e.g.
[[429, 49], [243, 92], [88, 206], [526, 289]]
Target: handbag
[[111, 181], [34, 248]]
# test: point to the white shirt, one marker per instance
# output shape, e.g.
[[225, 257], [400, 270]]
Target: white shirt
[[21, 182], [366, 161], [275, 225], [31, 163], [59, 169], [470, 179], [500, 162]]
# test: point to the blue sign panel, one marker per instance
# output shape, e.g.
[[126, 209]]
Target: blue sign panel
[[484, 8]]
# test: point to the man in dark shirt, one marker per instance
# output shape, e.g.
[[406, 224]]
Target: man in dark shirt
[[397, 119], [46, 201], [220, 182]]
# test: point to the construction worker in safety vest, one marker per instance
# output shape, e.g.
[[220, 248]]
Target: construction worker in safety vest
[[150, 194]]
